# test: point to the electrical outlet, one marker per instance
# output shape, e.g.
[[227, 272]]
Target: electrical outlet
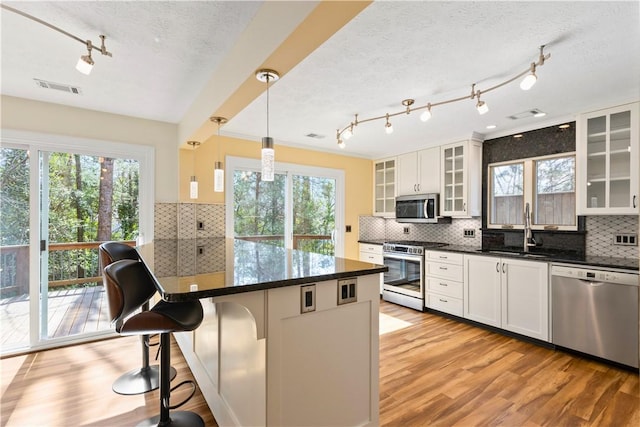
[[625, 239], [469, 232], [348, 229], [406, 230]]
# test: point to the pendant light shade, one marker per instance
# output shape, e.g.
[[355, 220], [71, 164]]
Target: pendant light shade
[[218, 167], [268, 159], [268, 153], [193, 182], [218, 177]]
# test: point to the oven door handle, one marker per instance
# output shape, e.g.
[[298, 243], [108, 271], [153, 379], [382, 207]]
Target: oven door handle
[[402, 257]]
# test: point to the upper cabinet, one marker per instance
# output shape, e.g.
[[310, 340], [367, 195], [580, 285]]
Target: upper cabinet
[[384, 181], [607, 147], [461, 181], [419, 172]]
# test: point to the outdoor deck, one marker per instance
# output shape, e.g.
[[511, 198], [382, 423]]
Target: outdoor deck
[[70, 312]]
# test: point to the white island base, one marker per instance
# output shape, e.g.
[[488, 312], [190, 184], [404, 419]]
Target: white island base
[[260, 361]]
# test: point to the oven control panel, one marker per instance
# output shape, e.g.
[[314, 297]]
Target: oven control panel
[[403, 249]]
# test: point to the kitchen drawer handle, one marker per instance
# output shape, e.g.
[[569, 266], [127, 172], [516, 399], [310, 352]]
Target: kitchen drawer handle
[[443, 284], [443, 257], [443, 300], [444, 268], [634, 201]]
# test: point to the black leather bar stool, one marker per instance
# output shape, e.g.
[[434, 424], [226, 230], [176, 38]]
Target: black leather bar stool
[[146, 378], [128, 284]]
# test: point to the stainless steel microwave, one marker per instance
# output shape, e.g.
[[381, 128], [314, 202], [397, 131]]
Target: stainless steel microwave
[[417, 208]]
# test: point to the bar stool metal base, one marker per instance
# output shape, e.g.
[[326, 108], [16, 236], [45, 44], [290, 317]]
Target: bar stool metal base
[[177, 419], [139, 381]]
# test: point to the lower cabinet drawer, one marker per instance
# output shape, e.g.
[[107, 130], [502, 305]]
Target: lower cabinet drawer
[[444, 303], [445, 287]]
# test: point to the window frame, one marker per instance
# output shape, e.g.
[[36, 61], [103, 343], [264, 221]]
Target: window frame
[[530, 192]]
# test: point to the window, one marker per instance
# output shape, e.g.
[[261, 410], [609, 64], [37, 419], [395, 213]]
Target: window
[[555, 202], [546, 183], [508, 197]]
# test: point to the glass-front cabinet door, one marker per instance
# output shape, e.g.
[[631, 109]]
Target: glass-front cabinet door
[[384, 177], [607, 146], [453, 171]]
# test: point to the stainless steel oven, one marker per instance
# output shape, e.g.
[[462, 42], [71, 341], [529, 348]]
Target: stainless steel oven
[[404, 282]]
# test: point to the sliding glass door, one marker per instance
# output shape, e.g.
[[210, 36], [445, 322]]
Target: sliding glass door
[[300, 209], [57, 207]]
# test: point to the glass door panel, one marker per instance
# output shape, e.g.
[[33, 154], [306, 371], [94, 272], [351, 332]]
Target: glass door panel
[[85, 200], [620, 160], [314, 201], [259, 207], [14, 248], [597, 162]]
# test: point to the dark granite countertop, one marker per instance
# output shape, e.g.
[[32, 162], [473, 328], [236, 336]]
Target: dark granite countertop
[[229, 266], [587, 261], [560, 258]]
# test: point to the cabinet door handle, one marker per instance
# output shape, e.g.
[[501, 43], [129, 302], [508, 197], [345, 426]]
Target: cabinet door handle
[[414, 188], [634, 200], [504, 266], [498, 267], [464, 206], [418, 187]]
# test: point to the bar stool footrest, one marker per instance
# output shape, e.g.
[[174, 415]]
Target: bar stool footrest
[[193, 391]]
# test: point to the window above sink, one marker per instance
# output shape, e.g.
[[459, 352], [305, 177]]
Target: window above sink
[[547, 183]]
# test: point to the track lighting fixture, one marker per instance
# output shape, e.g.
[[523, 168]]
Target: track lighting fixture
[[481, 105], [193, 184], [85, 63], [267, 154], [388, 128], [426, 114], [218, 167]]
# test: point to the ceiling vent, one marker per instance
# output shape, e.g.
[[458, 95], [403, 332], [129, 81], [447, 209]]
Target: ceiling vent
[[529, 113], [58, 86], [315, 135]]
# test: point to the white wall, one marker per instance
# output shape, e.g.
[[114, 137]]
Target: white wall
[[35, 116]]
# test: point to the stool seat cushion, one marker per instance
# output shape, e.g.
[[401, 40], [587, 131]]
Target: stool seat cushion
[[165, 317]]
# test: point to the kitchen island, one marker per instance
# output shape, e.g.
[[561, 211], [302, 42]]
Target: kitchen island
[[289, 338]]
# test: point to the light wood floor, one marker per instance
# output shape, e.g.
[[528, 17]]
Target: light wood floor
[[433, 371]]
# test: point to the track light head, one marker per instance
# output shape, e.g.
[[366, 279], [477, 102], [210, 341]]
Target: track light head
[[341, 144], [388, 127], [426, 115], [85, 64], [530, 79]]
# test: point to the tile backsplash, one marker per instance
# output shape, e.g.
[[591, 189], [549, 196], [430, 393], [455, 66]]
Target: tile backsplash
[[181, 220], [377, 228], [600, 233], [599, 236]]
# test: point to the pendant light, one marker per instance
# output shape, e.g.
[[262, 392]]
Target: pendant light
[[268, 154], [218, 167], [193, 184]]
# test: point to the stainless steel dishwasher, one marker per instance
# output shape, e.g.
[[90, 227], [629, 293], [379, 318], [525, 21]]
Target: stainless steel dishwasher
[[596, 312]]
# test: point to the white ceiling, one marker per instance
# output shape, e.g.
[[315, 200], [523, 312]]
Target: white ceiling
[[164, 53]]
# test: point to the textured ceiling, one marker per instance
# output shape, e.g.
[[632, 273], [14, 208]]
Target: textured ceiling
[[166, 52]]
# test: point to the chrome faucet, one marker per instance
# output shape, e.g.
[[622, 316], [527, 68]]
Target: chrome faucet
[[529, 241]]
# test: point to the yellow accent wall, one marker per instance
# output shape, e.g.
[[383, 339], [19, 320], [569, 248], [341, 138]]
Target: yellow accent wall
[[358, 176]]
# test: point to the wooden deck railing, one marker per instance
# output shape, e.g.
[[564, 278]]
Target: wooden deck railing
[[15, 266]]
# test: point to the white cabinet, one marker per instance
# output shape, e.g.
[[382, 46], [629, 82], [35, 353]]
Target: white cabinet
[[384, 182], [482, 290], [525, 298], [508, 293], [370, 252], [461, 181], [419, 172], [444, 273], [608, 160]]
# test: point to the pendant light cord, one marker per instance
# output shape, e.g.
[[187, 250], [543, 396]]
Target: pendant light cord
[[267, 105]]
